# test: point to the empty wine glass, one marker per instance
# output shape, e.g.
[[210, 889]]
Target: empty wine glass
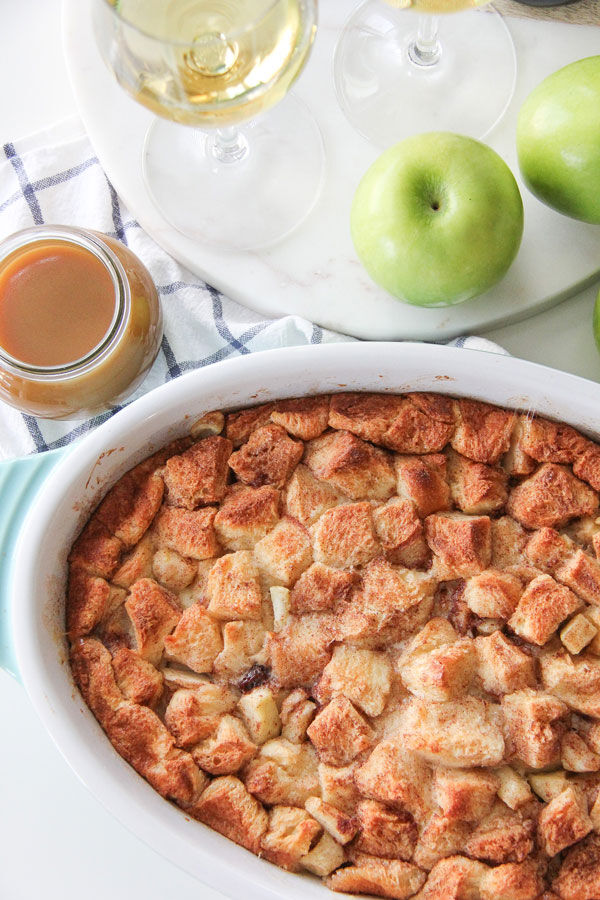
[[410, 66], [211, 66]]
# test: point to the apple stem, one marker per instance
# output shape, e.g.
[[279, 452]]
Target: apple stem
[[425, 49], [227, 145]]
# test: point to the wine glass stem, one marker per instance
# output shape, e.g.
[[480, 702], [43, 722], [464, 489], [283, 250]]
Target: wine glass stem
[[425, 49], [227, 145]]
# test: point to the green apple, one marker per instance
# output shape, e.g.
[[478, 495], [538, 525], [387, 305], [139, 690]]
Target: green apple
[[437, 219], [558, 140]]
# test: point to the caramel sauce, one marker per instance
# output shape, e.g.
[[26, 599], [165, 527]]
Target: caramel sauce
[[57, 302]]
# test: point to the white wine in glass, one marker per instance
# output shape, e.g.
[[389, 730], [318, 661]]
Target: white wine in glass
[[211, 66], [407, 66]]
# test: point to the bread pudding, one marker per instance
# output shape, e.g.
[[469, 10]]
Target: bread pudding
[[359, 635]]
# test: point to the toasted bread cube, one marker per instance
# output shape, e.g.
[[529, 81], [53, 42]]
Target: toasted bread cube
[[422, 479], [513, 788], [462, 544], [240, 425], [339, 733], [189, 532], [367, 415], [137, 564], [307, 498], [458, 733], [576, 756], [551, 497], [548, 785], [196, 641], [305, 418], [227, 807], [464, 794], [175, 678], [233, 588], [320, 588], [483, 432], [285, 552], [516, 461], [508, 543], [395, 777], [435, 406], [300, 650], [97, 552], [440, 837], [579, 875], [493, 594], [296, 712], [547, 441], [325, 856], [344, 536], [154, 613], [269, 456], [130, 506], [547, 549], [363, 676], [207, 425], [476, 488], [563, 821], [578, 633], [383, 832], [227, 750], [415, 431], [339, 825], [502, 837], [586, 465], [352, 466], [382, 877], [138, 679], [338, 788], [260, 714], [193, 715], [400, 531], [90, 599], [594, 814], [443, 673], [513, 881], [289, 836], [576, 681], [581, 573], [246, 515], [173, 571], [392, 603], [198, 475], [283, 773], [453, 878], [241, 642], [544, 604], [536, 723]]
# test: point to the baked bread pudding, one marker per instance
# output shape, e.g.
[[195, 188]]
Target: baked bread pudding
[[359, 635]]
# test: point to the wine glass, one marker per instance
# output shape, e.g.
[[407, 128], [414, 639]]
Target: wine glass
[[214, 65], [410, 66]]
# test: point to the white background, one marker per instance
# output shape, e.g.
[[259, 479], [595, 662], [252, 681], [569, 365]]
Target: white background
[[57, 841]]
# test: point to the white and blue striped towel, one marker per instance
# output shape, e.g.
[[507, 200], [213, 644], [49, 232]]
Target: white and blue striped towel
[[54, 177]]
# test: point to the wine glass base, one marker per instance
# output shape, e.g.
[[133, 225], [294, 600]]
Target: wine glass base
[[247, 203], [387, 97]]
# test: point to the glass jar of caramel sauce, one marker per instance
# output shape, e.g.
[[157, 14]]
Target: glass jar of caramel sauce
[[80, 321]]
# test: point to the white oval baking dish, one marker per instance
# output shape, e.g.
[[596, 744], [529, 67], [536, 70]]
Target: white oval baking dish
[[79, 479]]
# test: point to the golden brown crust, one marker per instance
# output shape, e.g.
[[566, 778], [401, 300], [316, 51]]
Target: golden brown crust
[[388, 643], [199, 475], [268, 457]]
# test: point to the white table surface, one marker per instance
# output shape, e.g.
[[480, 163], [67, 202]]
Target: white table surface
[[57, 840]]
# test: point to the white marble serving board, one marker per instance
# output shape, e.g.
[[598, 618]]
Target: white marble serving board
[[314, 272]]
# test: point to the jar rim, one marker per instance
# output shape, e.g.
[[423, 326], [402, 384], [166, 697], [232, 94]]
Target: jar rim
[[93, 243]]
